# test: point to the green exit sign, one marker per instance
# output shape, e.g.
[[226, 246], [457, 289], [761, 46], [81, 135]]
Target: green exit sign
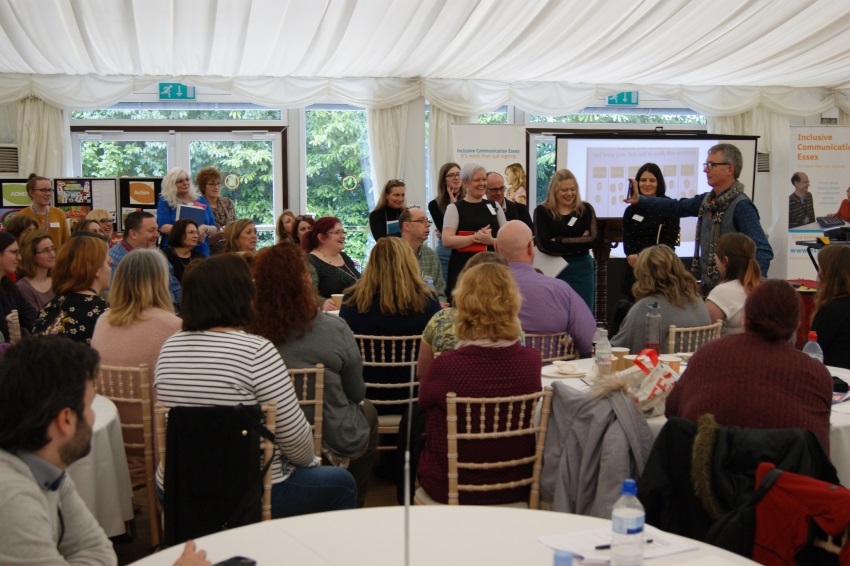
[[176, 91], [629, 98]]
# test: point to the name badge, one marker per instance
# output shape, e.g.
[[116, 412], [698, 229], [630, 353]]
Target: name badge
[[637, 218], [572, 221], [54, 225]]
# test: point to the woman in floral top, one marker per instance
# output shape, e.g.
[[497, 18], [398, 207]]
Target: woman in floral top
[[81, 273], [208, 181]]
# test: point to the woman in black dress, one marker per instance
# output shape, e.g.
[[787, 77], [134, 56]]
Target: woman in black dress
[[333, 271], [383, 221], [471, 224], [182, 241], [449, 189]]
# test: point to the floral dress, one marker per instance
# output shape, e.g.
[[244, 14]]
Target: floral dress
[[73, 315]]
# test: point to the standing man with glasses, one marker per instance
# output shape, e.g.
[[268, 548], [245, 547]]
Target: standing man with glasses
[[49, 218], [415, 229], [513, 210], [724, 209]]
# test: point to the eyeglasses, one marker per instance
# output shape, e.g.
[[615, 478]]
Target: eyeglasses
[[709, 165], [452, 175], [105, 221], [422, 221], [43, 190], [46, 251], [16, 252], [213, 184], [336, 232], [497, 190]]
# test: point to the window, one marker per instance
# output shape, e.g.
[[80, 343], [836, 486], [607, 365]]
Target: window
[[339, 172]]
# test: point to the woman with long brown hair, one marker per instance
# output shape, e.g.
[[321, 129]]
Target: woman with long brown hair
[[383, 220], [832, 301], [288, 315], [662, 279], [735, 256], [449, 189], [38, 256]]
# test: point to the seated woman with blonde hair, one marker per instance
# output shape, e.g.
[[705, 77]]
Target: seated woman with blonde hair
[[104, 218], [661, 278], [240, 236], [488, 362], [139, 320]]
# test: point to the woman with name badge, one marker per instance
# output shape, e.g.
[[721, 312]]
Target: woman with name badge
[[449, 190], [49, 218], [471, 224], [565, 226], [383, 221], [180, 199]]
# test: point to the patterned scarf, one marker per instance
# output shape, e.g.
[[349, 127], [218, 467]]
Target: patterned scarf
[[716, 208]]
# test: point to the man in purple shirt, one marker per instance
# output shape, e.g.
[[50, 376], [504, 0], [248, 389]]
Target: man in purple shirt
[[549, 305]]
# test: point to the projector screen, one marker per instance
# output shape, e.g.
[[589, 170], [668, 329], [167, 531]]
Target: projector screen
[[603, 164]]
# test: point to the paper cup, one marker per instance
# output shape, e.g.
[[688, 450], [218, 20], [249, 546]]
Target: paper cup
[[619, 361], [674, 362], [337, 300], [629, 360]]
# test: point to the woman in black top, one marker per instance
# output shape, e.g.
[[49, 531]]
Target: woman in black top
[[641, 228], [832, 318], [10, 297], [565, 226], [470, 225], [383, 221], [181, 251], [449, 189], [334, 270]]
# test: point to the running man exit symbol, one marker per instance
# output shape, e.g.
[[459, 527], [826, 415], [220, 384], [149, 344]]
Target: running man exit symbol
[[176, 91]]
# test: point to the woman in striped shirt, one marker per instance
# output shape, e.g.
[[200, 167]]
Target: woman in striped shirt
[[212, 361]]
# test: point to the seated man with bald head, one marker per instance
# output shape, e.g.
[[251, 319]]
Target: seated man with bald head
[[549, 305]]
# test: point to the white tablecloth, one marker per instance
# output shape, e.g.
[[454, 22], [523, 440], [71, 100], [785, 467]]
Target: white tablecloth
[[441, 535], [839, 421], [102, 477]]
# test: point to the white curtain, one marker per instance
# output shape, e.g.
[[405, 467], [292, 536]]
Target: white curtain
[[440, 141], [387, 145], [774, 133], [44, 143]]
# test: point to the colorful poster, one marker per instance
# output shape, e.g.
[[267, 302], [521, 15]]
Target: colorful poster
[[15, 194], [818, 181], [142, 193], [73, 191]]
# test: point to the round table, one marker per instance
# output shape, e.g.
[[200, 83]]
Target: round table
[[457, 535], [102, 477], [839, 417]]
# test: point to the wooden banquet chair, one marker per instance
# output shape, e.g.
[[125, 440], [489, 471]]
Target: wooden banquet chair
[[130, 389], [552, 347], [390, 352], [481, 418], [689, 339], [211, 431], [309, 384]]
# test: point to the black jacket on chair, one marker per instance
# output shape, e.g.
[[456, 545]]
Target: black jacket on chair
[[212, 463]]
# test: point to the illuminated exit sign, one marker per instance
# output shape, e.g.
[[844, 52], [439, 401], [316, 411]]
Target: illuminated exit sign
[[176, 91], [629, 98]]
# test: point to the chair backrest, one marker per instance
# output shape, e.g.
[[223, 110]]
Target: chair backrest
[[391, 352], [487, 418], [309, 384], [130, 389], [558, 346], [266, 447], [689, 339]]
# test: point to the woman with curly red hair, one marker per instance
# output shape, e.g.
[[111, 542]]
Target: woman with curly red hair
[[288, 315]]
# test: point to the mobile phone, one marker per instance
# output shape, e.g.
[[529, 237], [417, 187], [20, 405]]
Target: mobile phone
[[237, 561], [629, 189]]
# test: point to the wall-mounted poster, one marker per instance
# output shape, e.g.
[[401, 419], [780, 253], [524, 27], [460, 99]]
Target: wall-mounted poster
[[7, 214], [15, 192], [138, 193], [73, 191]]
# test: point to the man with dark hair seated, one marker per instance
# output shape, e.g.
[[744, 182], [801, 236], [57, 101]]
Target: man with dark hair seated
[[46, 419]]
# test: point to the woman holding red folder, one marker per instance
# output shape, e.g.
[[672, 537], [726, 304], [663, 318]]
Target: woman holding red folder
[[470, 225]]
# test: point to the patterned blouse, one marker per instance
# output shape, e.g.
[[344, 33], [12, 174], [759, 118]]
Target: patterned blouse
[[440, 334], [73, 315], [224, 213]]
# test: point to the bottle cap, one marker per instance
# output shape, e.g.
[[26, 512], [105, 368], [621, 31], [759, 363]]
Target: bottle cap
[[813, 335], [563, 558], [629, 487]]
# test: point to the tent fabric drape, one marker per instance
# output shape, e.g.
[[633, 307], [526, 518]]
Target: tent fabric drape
[[440, 146], [43, 138], [386, 145]]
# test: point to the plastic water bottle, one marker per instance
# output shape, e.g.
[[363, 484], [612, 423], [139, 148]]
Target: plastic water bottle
[[812, 347], [653, 327], [627, 525], [430, 282], [604, 354], [563, 558], [599, 327]]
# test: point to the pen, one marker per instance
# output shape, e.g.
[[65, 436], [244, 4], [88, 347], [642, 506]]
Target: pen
[[608, 546]]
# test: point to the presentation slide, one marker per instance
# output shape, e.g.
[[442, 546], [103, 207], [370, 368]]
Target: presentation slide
[[603, 165]]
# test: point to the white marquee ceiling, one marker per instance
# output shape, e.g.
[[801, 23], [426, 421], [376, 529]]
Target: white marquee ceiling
[[93, 50]]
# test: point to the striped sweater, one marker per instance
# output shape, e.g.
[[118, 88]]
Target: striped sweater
[[227, 368]]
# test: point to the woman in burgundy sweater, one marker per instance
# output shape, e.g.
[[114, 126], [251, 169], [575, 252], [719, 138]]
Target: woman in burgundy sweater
[[488, 362], [758, 379]]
